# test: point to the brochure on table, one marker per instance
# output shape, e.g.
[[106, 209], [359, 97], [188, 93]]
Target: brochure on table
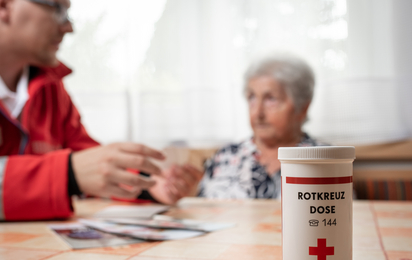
[[167, 222], [140, 232], [79, 236], [129, 211]]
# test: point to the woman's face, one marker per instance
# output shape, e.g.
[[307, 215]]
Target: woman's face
[[272, 112]]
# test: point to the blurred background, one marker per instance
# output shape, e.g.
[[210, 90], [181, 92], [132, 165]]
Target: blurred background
[[164, 72]]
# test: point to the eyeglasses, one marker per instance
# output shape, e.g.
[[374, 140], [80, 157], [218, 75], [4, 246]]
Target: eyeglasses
[[61, 13]]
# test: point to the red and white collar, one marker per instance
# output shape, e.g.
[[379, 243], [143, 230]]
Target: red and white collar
[[15, 101]]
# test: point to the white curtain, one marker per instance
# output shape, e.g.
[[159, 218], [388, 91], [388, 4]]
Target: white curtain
[[369, 103], [175, 67], [108, 45]]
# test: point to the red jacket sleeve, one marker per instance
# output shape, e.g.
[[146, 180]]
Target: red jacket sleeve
[[35, 187]]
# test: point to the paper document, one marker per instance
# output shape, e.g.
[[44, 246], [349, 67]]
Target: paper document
[[79, 236], [167, 222], [131, 211], [174, 155], [140, 232]]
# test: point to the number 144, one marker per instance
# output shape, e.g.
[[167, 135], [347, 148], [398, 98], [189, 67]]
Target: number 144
[[329, 222]]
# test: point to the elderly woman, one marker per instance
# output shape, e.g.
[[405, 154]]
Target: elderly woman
[[278, 90]]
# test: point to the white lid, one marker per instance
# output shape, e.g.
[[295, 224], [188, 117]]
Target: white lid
[[316, 153]]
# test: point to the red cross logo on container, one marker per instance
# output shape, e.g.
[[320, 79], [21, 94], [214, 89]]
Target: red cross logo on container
[[322, 250]]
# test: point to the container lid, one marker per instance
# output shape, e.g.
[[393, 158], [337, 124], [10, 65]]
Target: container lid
[[316, 153]]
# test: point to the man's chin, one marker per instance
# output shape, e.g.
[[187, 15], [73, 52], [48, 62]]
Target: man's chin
[[46, 61], [54, 63]]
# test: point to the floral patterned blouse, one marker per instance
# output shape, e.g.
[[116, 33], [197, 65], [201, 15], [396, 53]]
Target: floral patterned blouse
[[235, 173]]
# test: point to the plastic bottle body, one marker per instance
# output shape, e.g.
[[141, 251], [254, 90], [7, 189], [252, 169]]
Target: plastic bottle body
[[317, 209]]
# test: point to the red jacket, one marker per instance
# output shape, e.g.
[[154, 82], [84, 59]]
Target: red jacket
[[34, 150]]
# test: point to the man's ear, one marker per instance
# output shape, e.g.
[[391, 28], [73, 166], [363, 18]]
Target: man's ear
[[5, 10]]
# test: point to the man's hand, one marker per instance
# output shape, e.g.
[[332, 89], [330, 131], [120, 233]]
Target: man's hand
[[102, 171], [176, 183]]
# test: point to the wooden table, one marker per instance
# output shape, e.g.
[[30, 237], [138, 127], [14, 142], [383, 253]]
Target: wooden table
[[382, 230]]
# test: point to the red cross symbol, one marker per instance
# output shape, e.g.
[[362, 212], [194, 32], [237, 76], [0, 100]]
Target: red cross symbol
[[322, 250]]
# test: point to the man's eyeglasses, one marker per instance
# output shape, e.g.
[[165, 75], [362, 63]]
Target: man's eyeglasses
[[61, 13]]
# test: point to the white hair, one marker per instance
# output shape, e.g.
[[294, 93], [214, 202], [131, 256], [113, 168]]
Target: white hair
[[293, 73]]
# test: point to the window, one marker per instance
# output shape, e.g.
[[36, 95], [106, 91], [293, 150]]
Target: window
[[166, 71]]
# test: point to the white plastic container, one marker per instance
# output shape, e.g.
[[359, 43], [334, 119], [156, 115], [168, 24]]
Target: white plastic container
[[317, 202]]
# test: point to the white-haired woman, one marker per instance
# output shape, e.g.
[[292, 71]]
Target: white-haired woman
[[279, 90]]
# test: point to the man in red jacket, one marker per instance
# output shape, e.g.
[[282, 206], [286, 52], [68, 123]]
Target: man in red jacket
[[46, 154]]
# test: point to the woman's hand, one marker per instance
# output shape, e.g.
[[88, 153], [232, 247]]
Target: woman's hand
[[175, 183]]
